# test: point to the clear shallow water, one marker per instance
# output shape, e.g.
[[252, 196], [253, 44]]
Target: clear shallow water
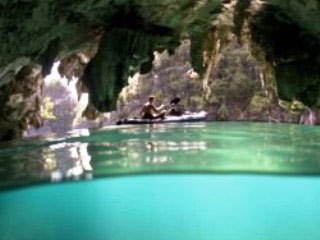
[[281, 203]]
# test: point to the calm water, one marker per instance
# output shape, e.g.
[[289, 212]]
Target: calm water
[[240, 181]]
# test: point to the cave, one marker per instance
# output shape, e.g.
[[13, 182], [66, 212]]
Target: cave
[[105, 43]]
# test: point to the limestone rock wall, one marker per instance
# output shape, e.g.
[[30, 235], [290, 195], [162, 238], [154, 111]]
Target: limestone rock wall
[[278, 42]]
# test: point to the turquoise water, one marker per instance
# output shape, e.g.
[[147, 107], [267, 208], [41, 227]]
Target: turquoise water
[[178, 181], [185, 207]]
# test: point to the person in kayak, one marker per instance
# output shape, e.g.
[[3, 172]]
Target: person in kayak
[[149, 111]]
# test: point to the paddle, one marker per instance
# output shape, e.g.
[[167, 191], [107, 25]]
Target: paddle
[[175, 110], [175, 100]]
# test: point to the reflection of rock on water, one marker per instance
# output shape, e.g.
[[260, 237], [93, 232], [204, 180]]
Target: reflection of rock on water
[[308, 117], [159, 152], [68, 160]]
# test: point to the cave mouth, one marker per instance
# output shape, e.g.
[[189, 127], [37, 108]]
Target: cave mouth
[[123, 51], [84, 90], [62, 104]]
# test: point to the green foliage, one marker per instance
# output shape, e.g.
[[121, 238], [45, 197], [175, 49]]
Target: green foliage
[[259, 103], [48, 106], [303, 13]]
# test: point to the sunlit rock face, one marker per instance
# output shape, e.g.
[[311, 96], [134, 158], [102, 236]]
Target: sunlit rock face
[[64, 103]]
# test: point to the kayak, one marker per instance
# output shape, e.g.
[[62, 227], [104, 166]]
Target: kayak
[[186, 117]]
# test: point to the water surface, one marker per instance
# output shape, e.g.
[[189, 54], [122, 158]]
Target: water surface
[[223, 181], [195, 147]]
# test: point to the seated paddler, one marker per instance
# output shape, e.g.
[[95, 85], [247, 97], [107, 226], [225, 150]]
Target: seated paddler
[[150, 111]]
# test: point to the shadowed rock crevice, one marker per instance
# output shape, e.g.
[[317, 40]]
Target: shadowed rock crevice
[[292, 46]]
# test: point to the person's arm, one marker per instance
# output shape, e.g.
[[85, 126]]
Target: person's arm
[[142, 110], [154, 109], [161, 107]]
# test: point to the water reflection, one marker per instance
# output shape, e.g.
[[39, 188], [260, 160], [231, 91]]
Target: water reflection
[[209, 147], [158, 152], [44, 162], [67, 161], [139, 154]]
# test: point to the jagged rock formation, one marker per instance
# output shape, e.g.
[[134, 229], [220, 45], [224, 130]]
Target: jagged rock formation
[[265, 30], [242, 81], [269, 50], [20, 97]]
